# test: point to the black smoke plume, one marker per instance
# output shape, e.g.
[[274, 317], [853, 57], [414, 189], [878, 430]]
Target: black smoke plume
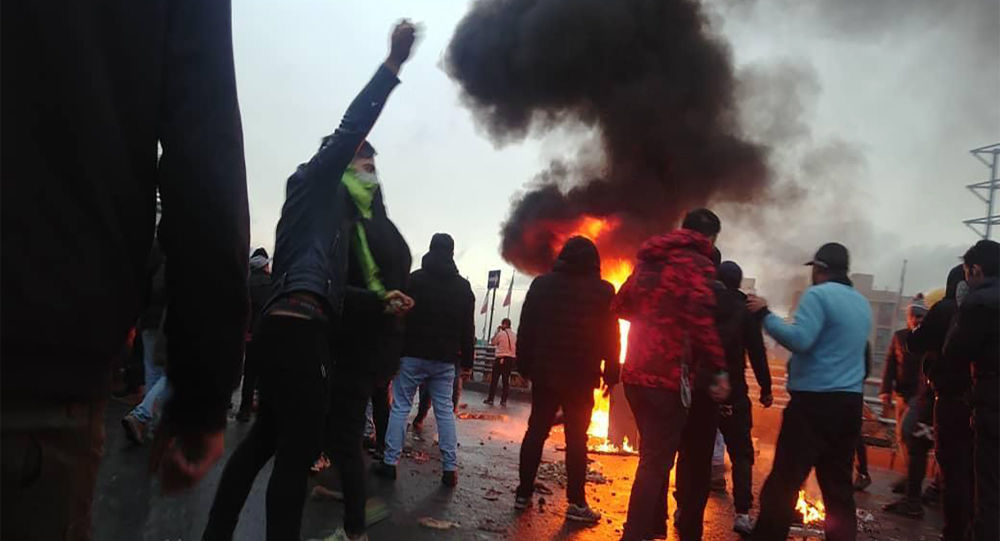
[[646, 76]]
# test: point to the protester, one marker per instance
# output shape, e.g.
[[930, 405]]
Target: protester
[[673, 346], [822, 421], [424, 405], [150, 328], [505, 342], [975, 340], [440, 335], [950, 380], [901, 379], [567, 330], [862, 478], [746, 343], [260, 292], [100, 107], [295, 328]]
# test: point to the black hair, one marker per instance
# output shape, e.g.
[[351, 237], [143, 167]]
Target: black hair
[[504, 321], [703, 221], [986, 254]]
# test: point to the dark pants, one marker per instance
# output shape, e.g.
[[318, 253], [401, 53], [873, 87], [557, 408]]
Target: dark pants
[[818, 430], [349, 395], [295, 358], [380, 413], [251, 371], [862, 456], [694, 467], [49, 454], [576, 401], [501, 370], [986, 424], [736, 431], [953, 431], [660, 417], [425, 397], [917, 449]]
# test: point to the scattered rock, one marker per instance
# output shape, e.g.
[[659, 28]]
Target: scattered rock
[[437, 524]]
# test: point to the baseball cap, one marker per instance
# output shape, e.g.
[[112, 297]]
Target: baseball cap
[[831, 256]]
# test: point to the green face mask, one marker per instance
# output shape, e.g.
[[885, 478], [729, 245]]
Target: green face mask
[[361, 186]]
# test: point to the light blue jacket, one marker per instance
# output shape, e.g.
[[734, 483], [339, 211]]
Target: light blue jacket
[[827, 339]]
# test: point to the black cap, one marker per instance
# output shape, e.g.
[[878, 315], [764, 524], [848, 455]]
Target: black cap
[[832, 256]]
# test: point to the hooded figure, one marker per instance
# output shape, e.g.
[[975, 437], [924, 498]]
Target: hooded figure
[[567, 329]]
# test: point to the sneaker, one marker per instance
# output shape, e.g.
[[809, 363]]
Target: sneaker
[[488, 401], [743, 525], [135, 430], [905, 508], [582, 513], [449, 479], [862, 481], [522, 502], [376, 510], [383, 470], [718, 485]]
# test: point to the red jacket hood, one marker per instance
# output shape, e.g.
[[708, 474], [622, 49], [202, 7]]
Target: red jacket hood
[[659, 247]]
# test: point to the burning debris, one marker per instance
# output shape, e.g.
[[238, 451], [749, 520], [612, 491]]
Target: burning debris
[[651, 86]]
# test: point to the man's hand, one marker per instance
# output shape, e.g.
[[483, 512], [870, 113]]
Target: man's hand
[[400, 45], [756, 304], [181, 461], [398, 303], [767, 400], [719, 390]]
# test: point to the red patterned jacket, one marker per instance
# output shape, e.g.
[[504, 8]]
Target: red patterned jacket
[[669, 301]]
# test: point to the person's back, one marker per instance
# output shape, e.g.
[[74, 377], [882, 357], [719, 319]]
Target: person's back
[[440, 325], [567, 327], [833, 320]]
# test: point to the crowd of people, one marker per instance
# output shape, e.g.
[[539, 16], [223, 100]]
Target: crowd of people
[[337, 323]]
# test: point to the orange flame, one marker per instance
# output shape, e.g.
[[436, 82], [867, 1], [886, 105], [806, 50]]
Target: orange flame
[[811, 513]]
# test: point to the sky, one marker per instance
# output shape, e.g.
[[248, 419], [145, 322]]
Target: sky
[[888, 99]]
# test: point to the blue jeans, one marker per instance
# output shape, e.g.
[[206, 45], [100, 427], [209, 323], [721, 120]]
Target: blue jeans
[[439, 378], [156, 381]]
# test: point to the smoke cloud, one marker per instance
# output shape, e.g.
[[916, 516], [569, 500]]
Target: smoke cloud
[[651, 81]]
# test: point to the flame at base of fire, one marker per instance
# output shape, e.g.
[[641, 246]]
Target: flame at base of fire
[[812, 513]]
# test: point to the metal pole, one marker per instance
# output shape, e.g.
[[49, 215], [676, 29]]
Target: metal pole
[[493, 307], [486, 337], [993, 191]]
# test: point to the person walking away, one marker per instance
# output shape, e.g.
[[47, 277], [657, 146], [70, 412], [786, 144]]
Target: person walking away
[[505, 342], [821, 424], [101, 106], [136, 421], [567, 331], [295, 328], [900, 380], [951, 383], [260, 292], [440, 335], [672, 342], [975, 339], [737, 418]]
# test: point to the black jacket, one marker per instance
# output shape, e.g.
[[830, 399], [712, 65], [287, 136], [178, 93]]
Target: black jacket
[[368, 340], [567, 327], [441, 326], [312, 239], [947, 376], [261, 288], [741, 336], [975, 338], [91, 94], [901, 373]]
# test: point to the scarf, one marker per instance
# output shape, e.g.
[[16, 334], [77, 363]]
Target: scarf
[[361, 187]]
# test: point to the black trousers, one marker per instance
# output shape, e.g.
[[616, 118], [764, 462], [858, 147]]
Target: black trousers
[[349, 394], [862, 453], [380, 413], [694, 467], [576, 401], [735, 430], [986, 423], [917, 449], [660, 417], [502, 367], [953, 431], [818, 430], [251, 371], [295, 356]]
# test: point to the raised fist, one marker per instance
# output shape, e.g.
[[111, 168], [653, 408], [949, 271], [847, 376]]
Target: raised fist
[[401, 43]]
